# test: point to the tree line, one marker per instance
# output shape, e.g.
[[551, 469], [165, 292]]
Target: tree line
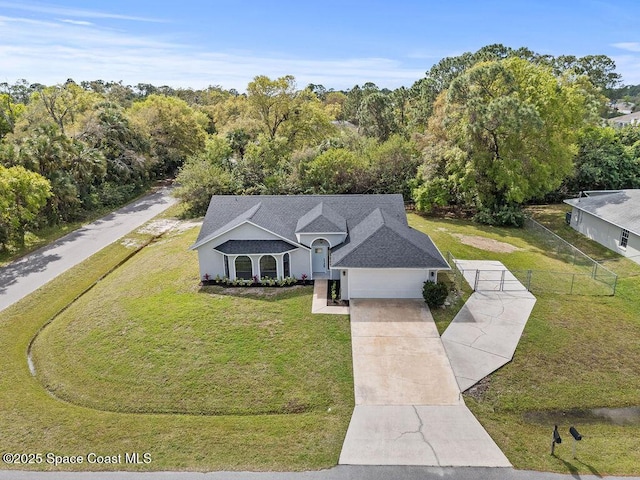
[[488, 130]]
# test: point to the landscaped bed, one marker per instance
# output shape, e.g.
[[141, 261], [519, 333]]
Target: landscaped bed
[[148, 361], [577, 352]]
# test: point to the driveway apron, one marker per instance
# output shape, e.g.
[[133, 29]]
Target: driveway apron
[[409, 410]]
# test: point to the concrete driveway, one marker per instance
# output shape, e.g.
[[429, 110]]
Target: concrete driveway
[[409, 410], [398, 357]]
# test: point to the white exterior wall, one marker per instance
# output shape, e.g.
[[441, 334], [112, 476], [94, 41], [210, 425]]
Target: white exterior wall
[[246, 231], [344, 284], [300, 263], [333, 238], [386, 282], [212, 263], [605, 234]]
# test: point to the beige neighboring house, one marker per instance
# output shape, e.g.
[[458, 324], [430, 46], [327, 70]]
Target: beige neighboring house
[[630, 119], [611, 218]]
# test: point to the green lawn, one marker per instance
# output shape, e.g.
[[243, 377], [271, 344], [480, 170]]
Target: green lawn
[[146, 361], [576, 352]]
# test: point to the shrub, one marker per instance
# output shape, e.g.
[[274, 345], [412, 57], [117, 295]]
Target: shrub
[[434, 293], [506, 216]]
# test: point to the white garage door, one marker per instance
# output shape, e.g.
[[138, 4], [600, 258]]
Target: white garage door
[[386, 283]]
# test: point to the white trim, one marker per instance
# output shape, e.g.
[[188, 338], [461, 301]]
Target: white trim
[[235, 272], [260, 264], [390, 268]]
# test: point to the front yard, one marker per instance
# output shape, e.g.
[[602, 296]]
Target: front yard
[[147, 361]]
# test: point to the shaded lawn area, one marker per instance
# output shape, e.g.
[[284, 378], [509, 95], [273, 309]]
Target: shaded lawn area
[[253, 378], [576, 352]]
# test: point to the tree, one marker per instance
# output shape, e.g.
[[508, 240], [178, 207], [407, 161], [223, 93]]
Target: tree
[[63, 105], [204, 175], [22, 194], [506, 132], [70, 165], [175, 130], [125, 149], [393, 166], [599, 68], [375, 116], [335, 171], [273, 102], [283, 111], [606, 160]]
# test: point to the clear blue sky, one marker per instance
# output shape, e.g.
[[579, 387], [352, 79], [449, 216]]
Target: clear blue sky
[[338, 44]]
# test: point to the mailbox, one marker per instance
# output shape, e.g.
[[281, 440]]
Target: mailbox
[[574, 433], [555, 439]]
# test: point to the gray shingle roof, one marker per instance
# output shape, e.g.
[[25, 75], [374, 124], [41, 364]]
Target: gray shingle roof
[[619, 207], [378, 233], [380, 241], [321, 218], [235, 247]]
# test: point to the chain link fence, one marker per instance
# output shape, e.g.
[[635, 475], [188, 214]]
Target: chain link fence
[[589, 278]]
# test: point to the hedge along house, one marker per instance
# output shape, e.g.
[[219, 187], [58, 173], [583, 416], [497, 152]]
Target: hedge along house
[[363, 240], [611, 218]]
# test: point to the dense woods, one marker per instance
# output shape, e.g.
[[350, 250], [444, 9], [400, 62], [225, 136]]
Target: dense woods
[[488, 131]]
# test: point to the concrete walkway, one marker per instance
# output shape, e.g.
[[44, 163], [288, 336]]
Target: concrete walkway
[[319, 302], [20, 278], [485, 333], [409, 410]]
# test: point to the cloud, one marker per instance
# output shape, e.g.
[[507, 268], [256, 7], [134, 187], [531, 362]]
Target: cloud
[[629, 67], [73, 12], [76, 22], [629, 46], [50, 52]]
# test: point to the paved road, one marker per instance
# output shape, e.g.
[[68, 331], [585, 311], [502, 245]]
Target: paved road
[[341, 472], [20, 278]]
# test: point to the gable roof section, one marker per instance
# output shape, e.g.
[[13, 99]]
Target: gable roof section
[[618, 207], [247, 247], [323, 219], [380, 241]]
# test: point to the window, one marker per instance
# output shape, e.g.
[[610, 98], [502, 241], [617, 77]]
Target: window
[[624, 239], [243, 268], [287, 268], [268, 267], [226, 266]]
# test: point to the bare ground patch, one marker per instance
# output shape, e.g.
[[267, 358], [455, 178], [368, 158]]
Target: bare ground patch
[[485, 243]]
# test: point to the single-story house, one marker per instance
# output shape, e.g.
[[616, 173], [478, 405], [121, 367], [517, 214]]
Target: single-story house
[[363, 240], [611, 218], [624, 120]]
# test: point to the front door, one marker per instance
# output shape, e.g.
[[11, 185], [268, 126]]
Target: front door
[[319, 258]]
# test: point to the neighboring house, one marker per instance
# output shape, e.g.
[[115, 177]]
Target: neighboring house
[[363, 240], [630, 119], [610, 217], [622, 107]]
